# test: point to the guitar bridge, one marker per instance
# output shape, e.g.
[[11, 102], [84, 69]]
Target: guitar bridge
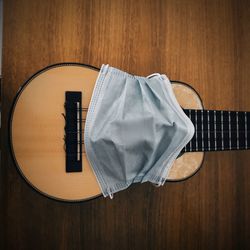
[[73, 131]]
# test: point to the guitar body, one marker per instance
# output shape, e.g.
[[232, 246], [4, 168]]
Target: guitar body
[[37, 132]]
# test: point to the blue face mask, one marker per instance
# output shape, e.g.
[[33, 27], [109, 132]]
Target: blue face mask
[[134, 129]]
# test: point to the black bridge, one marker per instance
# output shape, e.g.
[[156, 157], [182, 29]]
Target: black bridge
[[73, 131]]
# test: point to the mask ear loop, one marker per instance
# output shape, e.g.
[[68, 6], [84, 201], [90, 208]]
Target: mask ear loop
[[156, 185], [111, 195], [154, 74], [160, 183]]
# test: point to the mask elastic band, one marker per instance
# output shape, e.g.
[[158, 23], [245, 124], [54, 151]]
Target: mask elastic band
[[154, 74], [111, 195]]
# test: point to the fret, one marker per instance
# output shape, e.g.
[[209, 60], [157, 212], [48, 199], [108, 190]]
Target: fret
[[202, 131], [211, 130], [245, 115], [190, 117], [218, 130], [234, 130], [196, 126], [237, 128], [222, 131], [229, 130], [215, 134], [208, 130], [241, 126], [225, 126]]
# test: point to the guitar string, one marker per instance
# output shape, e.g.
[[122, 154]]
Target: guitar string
[[204, 150], [219, 149], [198, 131], [217, 123], [199, 110]]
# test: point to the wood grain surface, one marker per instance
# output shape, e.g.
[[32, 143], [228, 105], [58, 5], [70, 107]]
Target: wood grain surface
[[204, 43]]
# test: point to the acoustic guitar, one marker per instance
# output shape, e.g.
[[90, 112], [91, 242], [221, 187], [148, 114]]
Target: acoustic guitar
[[47, 125]]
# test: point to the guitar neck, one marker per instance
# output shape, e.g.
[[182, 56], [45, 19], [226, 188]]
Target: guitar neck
[[218, 130]]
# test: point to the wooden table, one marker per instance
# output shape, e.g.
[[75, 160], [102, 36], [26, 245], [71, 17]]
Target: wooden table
[[204, 43]]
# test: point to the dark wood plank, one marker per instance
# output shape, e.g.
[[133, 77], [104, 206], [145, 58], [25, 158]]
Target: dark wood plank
[[204, 43]]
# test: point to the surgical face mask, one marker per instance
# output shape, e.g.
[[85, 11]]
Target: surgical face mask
[[134, 129]]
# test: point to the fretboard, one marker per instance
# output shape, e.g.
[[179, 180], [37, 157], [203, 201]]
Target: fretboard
[[217, 130]]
